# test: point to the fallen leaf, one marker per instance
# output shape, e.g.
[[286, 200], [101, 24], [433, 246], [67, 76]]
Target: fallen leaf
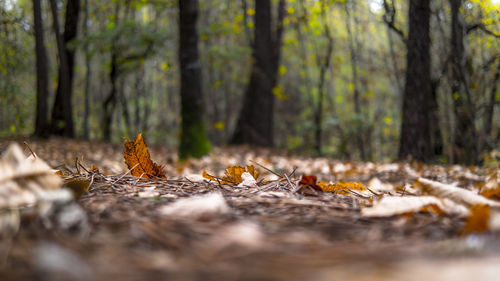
[[478, 220], [23, 180], [201, 206], [139, 161], [341, 187], [309, 181], [233, 174], [457, 194], [247, 180], [491, 189], [77, 186], [398, 205]]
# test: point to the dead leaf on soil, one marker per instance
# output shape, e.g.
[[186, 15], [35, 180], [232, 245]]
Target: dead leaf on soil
[[399, 205], [478, 220], [139, 161], [454, 193], [491, 189], [233, 174]]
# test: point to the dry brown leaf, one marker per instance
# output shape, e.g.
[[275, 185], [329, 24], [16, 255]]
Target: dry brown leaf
[[233, 174], [398, 205], [139, 161], [454, 193], [478, 220], [491, 189], [23, 180]]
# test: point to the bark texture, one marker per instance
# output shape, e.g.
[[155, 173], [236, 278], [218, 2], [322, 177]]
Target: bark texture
[[42, 74], [193, 141], [62, 112], [415, 139], [255, 122]]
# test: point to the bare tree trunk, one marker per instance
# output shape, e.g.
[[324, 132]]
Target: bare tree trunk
[[42, 74], [62, 112], [465, 136], [86, 113], [490, 107], [255, 122], [111, 100], [193, 141], [415, 139], [352, 37], [324, 64]]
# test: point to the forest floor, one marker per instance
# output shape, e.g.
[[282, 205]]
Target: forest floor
[[132, 229]]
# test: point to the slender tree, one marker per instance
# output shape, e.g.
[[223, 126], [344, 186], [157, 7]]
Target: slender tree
[[62, 112], [465, 135], [255, 121], [415, 139], [193, 141], [42, 74]]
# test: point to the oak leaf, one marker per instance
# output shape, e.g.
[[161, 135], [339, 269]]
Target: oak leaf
[[139, 161]]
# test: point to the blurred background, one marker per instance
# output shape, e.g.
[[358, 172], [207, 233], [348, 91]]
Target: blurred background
[[371, 80]]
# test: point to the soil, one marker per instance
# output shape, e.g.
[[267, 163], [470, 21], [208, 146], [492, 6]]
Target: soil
[[275, 231]]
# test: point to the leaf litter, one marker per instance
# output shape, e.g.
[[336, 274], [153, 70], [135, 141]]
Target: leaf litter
[[274, 225]]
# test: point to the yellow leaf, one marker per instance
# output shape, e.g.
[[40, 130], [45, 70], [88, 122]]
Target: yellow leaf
[[341, 187], [139, 161]]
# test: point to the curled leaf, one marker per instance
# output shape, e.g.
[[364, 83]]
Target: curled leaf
[[139, 161]]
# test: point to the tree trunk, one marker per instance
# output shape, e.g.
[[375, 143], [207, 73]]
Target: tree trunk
[[109, 104], [62, 112], [324, 64], [415, 139], [193, 141], [465, 140], [255, 122], [86, 113], [353, 49], [42, 74], [490, 107]]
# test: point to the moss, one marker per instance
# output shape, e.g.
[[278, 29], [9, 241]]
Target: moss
[[194, 141]]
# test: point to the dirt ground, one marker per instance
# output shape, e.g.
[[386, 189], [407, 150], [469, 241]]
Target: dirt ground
[[130, 228]]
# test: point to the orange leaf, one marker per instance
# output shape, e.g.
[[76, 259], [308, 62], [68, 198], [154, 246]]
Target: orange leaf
[[208, 176], [310, 180], [233, 174], [478, 221], [341, 187], [139, 161]]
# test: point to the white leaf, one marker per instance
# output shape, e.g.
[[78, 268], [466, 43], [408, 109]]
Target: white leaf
[[395, 205], [454, 193], [197, 206]]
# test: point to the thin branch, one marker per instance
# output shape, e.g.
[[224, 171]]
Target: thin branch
[[482, 27]]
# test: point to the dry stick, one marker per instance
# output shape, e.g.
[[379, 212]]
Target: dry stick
[[267, 169], [28, 146], [122, 176], [83, 167]]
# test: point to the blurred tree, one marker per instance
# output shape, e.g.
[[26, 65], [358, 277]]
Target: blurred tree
[[193, 140], [62, 112], [255, 122], [465, 134], [415, 139], [42, 74]]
